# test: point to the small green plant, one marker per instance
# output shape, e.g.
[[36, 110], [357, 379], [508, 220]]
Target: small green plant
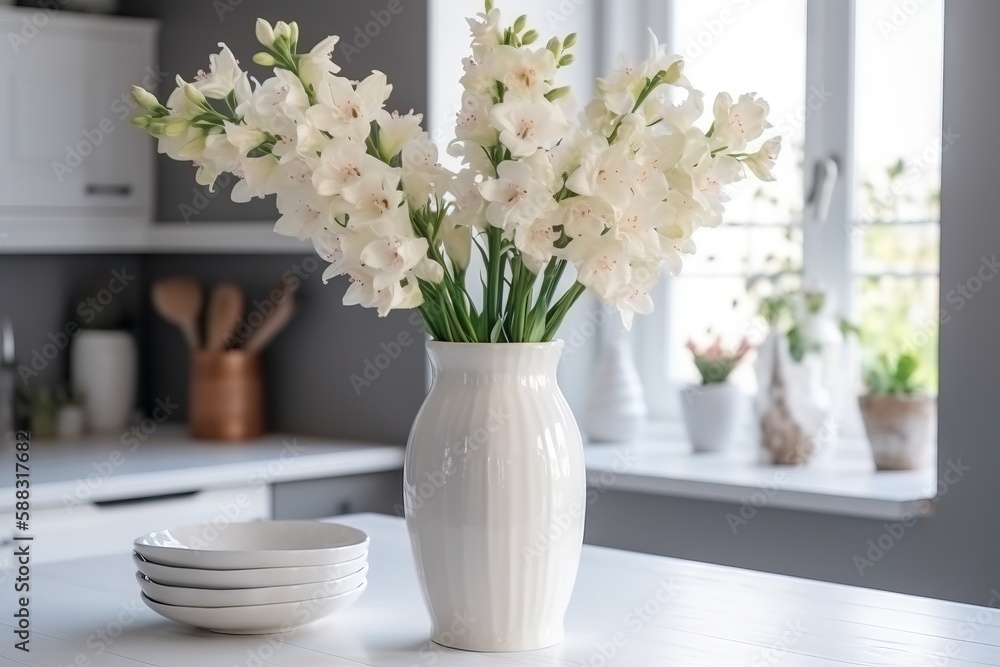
[[715, 363], [783, 313], [894, 375]]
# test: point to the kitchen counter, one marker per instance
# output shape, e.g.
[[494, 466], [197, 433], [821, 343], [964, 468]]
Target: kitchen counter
[[627, 609], [106, 469]]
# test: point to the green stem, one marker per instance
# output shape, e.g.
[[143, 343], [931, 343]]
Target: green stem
[[558, 312]]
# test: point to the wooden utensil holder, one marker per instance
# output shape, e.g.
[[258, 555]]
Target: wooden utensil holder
[[226, 399]]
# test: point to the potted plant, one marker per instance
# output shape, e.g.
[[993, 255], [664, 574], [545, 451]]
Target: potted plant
[[900, 416], [553, 202], [714, 409]]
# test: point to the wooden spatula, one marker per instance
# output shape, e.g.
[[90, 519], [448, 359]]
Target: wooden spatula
[[225, 308], [273, 325], [178, 301]]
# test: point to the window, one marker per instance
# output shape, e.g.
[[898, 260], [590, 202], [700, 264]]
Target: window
[[856, 83]]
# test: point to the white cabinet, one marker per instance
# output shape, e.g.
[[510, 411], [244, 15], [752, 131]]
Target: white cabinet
[[70, 159]]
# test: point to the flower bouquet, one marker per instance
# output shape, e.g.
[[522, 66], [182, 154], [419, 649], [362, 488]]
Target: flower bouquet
[[547, 204]]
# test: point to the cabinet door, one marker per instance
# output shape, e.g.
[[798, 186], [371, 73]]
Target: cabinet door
[[67, 147]]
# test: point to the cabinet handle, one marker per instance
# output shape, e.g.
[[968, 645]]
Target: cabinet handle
[[145, 499], [120, 190]]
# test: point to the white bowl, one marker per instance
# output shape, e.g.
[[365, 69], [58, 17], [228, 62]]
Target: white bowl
[[243, 597], [260, 544], [254, 578], [258, 619]]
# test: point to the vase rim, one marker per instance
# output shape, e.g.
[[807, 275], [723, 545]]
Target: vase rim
[[442, 344]]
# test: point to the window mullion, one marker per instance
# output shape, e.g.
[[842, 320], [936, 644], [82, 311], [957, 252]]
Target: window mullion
[[829, 128]]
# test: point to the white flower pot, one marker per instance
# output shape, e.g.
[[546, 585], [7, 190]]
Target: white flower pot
[[616, 405], [713, 414], [104, 368], [495, 491]]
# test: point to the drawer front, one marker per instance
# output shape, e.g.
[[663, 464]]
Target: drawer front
[[102, 528]]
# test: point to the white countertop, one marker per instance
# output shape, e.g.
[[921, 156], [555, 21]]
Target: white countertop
[[649, 610], [845, 485], [105, 469], [100, 468]]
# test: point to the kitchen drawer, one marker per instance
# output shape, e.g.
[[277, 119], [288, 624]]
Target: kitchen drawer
[[314, 498], [94, 529]]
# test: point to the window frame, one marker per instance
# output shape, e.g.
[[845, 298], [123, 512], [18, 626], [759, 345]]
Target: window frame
[[828, 116]]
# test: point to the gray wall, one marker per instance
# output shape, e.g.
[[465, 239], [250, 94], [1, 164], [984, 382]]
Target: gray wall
[[955, 554]]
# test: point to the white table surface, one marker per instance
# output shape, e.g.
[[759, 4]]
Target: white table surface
[[649, 610]]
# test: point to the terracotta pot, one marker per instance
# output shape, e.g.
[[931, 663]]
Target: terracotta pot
[[900, 429], [227, 396]]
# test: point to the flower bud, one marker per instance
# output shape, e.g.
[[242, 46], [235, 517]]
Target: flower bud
[[557, 93], [674, 72], [140, 121], [567, 60], [529, 37], [264, 59], [570, 40], [282, 31], [168, 126], [265, 33], [520, 23], [194, 95], [489, 6], [144, 98], [293, 37], [555, 46]]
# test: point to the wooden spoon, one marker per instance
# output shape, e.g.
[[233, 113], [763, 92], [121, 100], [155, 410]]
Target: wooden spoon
[[273, 325], [225, 308], [178, 301]]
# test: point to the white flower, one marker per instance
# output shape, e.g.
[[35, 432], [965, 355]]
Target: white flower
[[525, 72], [736, 124], [762, 162], [536, 241], [392, 258], [620, 90], [457, 241], [485, 28], [343, 162], [362, 292], [243, 137], [515, 197], [373, 196], [303, 212], [605, 171], [473, 120], [526, 126], [223, 73], [585, 216], [422, 174], [470, 207], [395, 130], [637, 228], [317, 65], [346, 111], [257, 178]]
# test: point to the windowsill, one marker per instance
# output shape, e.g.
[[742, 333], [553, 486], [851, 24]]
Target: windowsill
[[846, 484]]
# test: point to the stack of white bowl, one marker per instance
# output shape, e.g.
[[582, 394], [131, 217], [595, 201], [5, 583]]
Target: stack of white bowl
[[251, 578]]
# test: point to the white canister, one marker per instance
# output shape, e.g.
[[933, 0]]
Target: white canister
[[103, 368]]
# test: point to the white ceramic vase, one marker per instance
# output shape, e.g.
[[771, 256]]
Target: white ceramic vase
[[495, 491], [104, 369], [713, 414], [616, 404]]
